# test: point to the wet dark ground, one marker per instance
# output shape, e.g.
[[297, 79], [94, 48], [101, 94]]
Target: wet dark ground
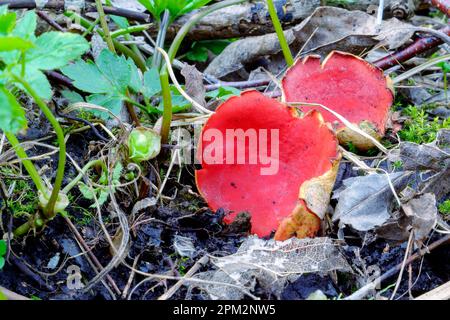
[[32, 274], [155, 244]]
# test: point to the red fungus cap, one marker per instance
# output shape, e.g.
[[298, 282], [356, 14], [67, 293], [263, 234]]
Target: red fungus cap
[[346, 84], [291, 188]]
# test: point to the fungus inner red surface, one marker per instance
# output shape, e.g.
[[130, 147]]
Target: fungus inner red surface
[[306, 149], [344, 83]]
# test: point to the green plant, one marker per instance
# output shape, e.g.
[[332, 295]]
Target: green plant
[[418, 128], [280, 34], [3, 249], [397, 164], [444, 207], [144, 144], [23, 201], [176, 43], [223, 93], [445, 66], [109, 79], [23, 58], [102, 188], [199, 49]]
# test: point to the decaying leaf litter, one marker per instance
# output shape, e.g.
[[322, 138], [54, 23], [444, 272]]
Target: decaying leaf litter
[[131, 223]]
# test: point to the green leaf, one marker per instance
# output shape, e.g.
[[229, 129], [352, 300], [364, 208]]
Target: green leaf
[[56, 49], [87, 77], [179, 103], [176, 7], [115, 68], [12, 115], [112, 103], [7, 22], [86, 191], [135, 78], [103, 196], [2, 264], [117, 172], [223, 93], [180, 7], [152, 85], [14, 43], [3, 247], [26, 26], [197, 53], [72, 96], [155, 7], [120, 21], [199, 49], [37, 80]]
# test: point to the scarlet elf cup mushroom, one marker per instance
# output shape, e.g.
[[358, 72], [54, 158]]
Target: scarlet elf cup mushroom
[[346, 84], [259, 156]]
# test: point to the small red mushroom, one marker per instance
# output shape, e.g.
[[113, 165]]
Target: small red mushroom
[[346, 84], [258, 156]]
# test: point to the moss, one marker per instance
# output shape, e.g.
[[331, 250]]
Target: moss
[[418, 128], [444, 207]]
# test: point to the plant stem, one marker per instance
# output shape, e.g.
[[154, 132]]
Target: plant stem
[[131, 29], [104, 24], [34, 175], [24, 228], [49, 209], [279, 30], [84, 170], [167, 102], [161, 39], [176, 43], [137, 58]]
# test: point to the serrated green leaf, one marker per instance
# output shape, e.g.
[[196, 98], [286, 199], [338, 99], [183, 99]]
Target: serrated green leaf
[[117, 172], [12, 115], [152, 84], [112, 103], [102, 198], [87, 77], [86, 191], [115, 68], [26, 26], [14, 43], [56, 49], [135, 78]]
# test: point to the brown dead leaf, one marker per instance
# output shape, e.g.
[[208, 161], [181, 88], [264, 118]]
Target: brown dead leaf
[[194, 84], [327, 29]]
